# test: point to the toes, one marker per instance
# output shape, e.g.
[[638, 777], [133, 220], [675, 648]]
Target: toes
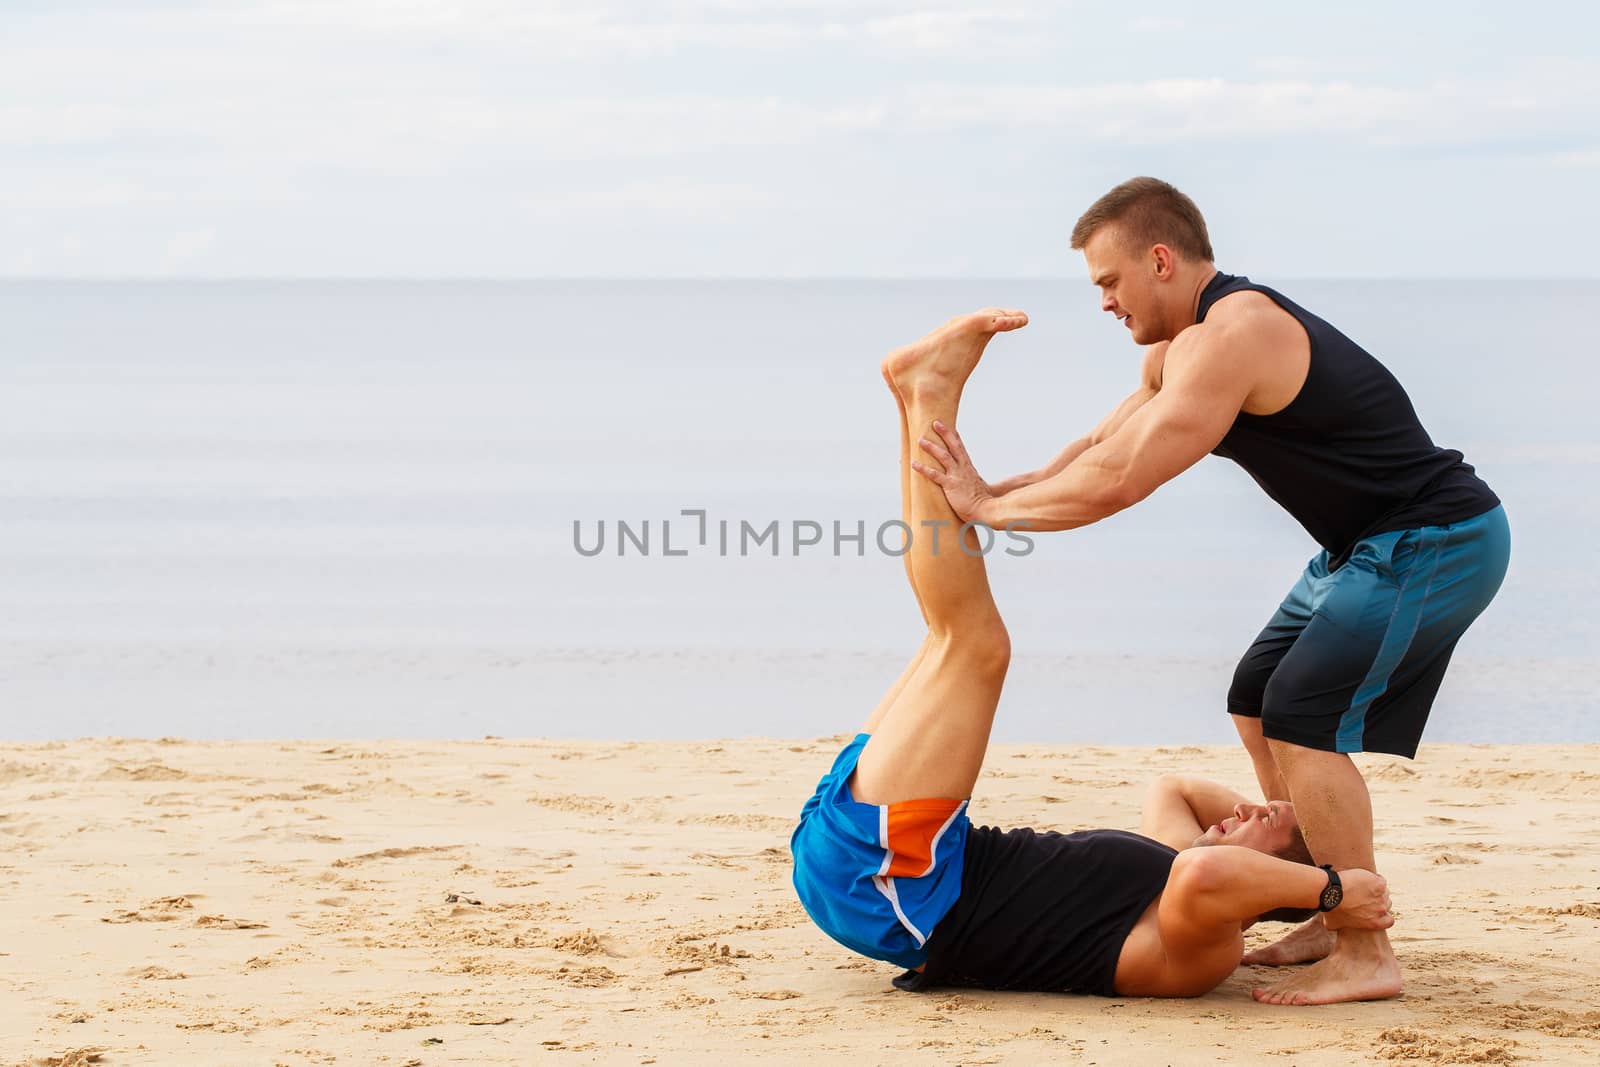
[[1274, 995], [1002, 319]]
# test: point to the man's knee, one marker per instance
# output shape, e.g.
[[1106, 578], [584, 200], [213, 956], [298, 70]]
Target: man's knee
[[983, 645]]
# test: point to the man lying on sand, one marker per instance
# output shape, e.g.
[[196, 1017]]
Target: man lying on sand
[[888, 864]]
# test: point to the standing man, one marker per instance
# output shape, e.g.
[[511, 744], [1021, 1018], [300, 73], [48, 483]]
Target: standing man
[[1414, 544]]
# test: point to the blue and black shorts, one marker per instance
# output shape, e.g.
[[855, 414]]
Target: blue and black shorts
[[1353, 657]]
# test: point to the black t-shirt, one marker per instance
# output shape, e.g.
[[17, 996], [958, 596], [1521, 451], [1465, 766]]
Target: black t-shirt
[[1046, 912]]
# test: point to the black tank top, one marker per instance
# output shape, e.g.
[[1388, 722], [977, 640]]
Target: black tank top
[[1043, 911], [1347, 457]]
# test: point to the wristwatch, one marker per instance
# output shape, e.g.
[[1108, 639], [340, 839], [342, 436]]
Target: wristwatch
[[1333, 894]]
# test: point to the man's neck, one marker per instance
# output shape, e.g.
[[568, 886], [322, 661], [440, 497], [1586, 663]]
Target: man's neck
[[1206, 274]]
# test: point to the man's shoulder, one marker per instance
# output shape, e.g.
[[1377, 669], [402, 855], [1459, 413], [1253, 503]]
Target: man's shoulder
[[1250, 311], [1242, 330]]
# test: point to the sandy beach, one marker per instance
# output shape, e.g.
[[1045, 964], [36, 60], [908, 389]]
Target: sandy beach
[[516, 901]]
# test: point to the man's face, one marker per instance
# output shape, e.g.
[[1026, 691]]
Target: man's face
[[1265, 827], [1127, 283]]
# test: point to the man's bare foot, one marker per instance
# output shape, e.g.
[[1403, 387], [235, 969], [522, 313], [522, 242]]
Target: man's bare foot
[[946, 357], [1360, 967], [1305, 943]]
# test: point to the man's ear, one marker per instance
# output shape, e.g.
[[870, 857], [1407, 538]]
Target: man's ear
[[1163, 260]]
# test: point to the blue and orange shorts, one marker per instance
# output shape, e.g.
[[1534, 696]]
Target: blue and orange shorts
[[877, 878]]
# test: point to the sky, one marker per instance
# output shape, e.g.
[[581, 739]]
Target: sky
[[792, 138]]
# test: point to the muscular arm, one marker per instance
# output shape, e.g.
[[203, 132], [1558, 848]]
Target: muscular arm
[[1228, 884], [1149, 385], [1179, 807], [1191, 937], [1209, 372]]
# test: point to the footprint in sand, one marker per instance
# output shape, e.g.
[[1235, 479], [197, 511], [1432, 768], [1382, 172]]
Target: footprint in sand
[[14, 826], [160, 910], [149, 772], [1390, 772], [11, 771], [1452, 859], [687, 999], [221, 1026], [393, 853], [591, 977], [222, 922], [1409, 1043], [78, 1057], [741, 821], [578, 804], [1546, 1020]]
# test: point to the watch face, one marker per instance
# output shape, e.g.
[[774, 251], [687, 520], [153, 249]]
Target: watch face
[[1332, 897]]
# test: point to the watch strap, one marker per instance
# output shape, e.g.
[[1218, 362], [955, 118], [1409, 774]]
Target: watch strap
[[1333, 893]]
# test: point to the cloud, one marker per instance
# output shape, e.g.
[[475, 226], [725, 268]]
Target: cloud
[[1157, 24], [673, 199], [425, 87], [421, 131], [293, 100], [572, 30], [985, 30], [1454, 114], [280, 123], [1176, 110]]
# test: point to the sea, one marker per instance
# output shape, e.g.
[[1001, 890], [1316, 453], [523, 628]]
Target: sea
[[663, 509]]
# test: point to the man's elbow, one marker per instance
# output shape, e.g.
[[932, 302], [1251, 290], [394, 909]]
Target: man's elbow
[[1172, 789], [1201, 872], [1120, 493], [1167, 785]]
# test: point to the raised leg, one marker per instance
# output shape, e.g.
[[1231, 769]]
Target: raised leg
[[876, 718], [906, 477], [905, 513], [930, 736], [1335, 812]]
